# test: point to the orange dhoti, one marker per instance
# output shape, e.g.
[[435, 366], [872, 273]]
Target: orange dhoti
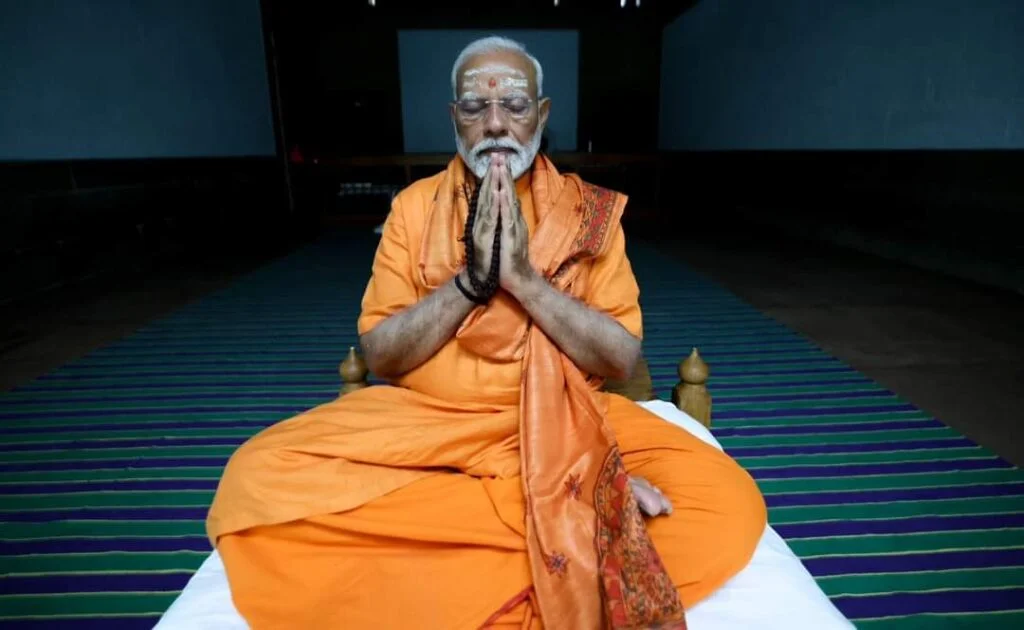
[[448, 550], [490, 485]]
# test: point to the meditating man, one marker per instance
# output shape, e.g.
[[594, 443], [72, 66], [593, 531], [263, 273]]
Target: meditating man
[[492, 483]]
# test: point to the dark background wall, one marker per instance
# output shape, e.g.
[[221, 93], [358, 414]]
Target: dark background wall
[[341, 82], [140, 133], [771, 115], [425, 65], [95, 79], [133, 133], [844, 74], [890, 127]]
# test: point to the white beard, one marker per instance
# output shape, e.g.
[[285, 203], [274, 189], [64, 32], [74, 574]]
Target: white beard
[[520, 159]]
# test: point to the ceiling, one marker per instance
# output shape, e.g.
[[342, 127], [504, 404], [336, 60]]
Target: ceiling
[[532, 14]]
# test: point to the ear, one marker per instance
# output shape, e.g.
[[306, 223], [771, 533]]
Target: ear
[[451, 113], [543, 109]]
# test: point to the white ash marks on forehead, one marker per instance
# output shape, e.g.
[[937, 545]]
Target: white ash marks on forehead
[[503, 76], [511, 82], [493, 68]]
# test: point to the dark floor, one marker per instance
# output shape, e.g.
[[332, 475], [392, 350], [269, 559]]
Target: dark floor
[[951, 348], [40, 334]]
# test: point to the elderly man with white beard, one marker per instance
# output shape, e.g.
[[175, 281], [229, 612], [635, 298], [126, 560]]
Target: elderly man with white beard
[[491, 483]]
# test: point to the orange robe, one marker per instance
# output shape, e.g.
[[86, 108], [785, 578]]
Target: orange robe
[[407, 505]]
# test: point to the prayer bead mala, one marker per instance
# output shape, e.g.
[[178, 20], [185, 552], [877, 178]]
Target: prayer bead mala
[[484, 290]]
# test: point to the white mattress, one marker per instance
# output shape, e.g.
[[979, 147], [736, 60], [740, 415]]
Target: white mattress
[[773, 591]]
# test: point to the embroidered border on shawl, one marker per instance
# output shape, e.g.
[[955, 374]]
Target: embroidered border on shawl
[[637, 589], [597, 205]]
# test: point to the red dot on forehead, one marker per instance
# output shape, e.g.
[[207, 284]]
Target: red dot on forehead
[[492, 82]]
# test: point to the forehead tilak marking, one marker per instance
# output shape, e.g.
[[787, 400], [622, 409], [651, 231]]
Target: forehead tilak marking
[[493, 68], [509, 82]]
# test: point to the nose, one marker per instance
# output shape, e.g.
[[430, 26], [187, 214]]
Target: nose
[[495, 121]]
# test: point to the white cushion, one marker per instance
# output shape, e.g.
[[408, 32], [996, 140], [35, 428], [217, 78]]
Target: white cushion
[[773, 591], [205, 602]]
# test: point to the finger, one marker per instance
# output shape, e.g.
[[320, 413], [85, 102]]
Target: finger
[[485, 184], [654, 507], [496, 204], [484, 200], [506, 212], [496, 170], [510, 194], [506, 184], [503, 210], [485, 213], [646, 505], [666, 505], [650, 498], [520, 219], [507, 175]]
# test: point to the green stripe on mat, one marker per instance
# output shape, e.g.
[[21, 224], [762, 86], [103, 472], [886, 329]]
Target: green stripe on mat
[[114, 561], [55, 530], [996, 620], [85, 604], [919, 581], [280, 333], [906, 543], [118, 474], [857, 511]]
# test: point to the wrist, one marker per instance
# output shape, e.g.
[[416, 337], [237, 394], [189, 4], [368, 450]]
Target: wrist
[[527, 287], [464, 287]]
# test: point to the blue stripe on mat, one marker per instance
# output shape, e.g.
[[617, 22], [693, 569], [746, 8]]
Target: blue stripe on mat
[[153, 418]]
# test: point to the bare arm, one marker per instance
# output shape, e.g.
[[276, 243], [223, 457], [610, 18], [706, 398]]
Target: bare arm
[[594, 341], [405, 340]]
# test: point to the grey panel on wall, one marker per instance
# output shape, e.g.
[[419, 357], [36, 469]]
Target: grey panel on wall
[[844, 74], [425, 61], [133, 79]]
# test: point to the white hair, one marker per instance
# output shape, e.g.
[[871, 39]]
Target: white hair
[[494, 44]]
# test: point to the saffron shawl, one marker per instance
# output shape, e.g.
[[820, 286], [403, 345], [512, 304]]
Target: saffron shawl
[[592, 562]]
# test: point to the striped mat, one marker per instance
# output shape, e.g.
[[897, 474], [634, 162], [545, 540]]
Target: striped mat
[[108, 463]]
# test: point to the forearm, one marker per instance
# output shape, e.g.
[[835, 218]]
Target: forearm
[[595, 342], [405, 340]]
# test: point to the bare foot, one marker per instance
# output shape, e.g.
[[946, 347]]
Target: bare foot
[[652, 502]]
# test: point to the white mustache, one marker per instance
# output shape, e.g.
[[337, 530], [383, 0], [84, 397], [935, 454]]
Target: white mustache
[[495, 143]]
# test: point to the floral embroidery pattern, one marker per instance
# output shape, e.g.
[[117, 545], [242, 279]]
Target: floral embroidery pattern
[[597, 207], [574, 486], [637, 589], [556, 563]]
